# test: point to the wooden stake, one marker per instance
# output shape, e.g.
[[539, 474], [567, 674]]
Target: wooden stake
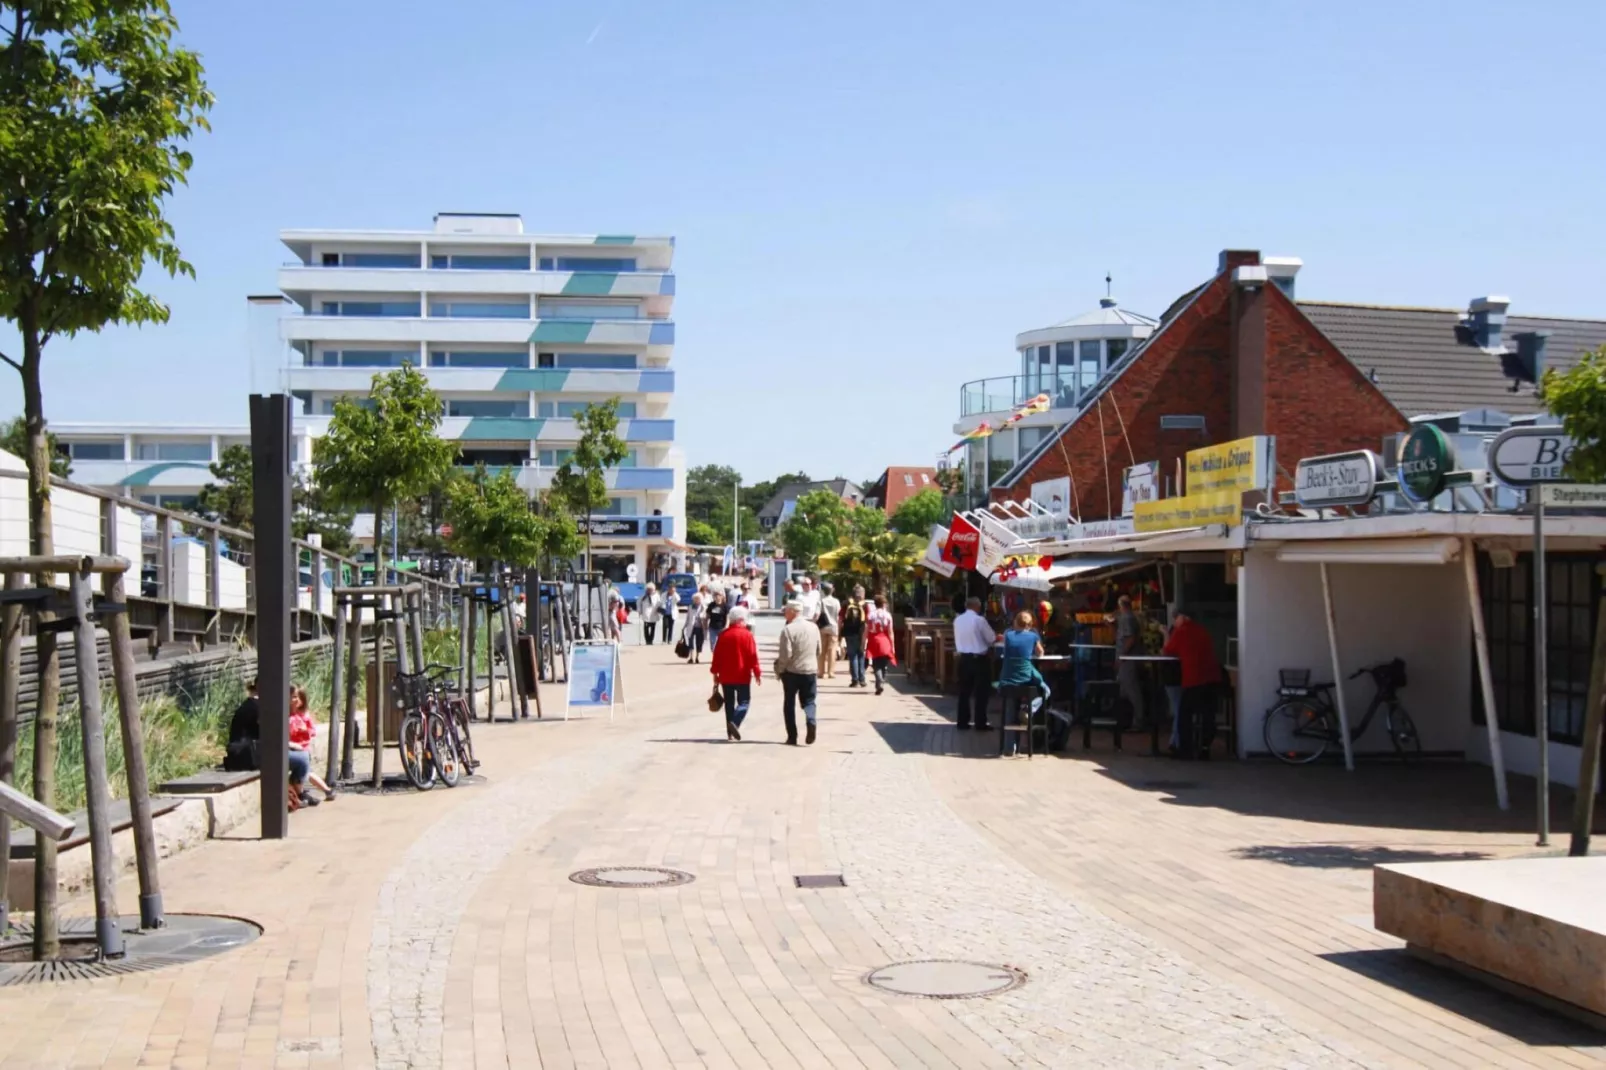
[[10, 678], [128, 713], [353, 674], [108, 934], [337, 693]]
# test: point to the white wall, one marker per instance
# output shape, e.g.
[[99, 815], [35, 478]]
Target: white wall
[[189, 572], [1416, 612]]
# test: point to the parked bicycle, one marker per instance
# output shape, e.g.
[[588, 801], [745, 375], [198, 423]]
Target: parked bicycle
[[434, 739], [1299, 729]]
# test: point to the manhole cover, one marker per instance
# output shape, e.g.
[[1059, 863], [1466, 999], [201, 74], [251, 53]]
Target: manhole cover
[[185, 938], [820, 880], [631, 877], [946, 979]]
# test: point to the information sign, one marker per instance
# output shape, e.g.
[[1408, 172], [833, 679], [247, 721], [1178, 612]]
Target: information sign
[[593, 675], [1337, 479]]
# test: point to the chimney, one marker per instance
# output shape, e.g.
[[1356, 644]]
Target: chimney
[[1527, 364], [1247, 358], [1282, 270], [1488, 316], [1235, 258]]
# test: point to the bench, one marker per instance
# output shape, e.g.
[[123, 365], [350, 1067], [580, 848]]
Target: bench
[[22, 848], [207, 782]]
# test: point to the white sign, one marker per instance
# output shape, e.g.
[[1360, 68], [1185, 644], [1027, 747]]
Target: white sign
[[630, 572], [1140, 483], [1103, 529], [995, 544], [1524, 456], [1573, 495], [593, 675], [933, 559], [1337, 479], [1054, 495]]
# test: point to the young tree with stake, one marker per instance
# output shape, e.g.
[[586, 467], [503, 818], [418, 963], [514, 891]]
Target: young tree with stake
[[581, 482]]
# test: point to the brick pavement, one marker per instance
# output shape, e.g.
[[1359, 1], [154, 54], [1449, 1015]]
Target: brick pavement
[[440, 929]]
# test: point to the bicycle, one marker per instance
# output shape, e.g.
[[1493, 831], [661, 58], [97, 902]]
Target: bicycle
[[434, 738], [1299, 729]]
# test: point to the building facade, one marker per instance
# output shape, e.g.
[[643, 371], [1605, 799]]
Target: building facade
[[517, 333], [158, 464]]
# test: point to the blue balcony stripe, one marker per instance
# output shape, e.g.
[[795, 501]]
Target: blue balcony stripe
[[662, 334], [657, 382], [644, 479], [649, 430], [562, 331], [590, 284], [666, 285], [501, 428], [614, 239], [544, 379]]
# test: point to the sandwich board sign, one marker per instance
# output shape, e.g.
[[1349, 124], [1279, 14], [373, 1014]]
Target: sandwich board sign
[[593, 676]]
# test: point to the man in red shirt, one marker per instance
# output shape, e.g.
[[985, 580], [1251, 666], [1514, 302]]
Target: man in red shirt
[[1195, 652], [734, 668]]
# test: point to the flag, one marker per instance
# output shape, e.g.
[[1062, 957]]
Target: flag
[[981, 430], [964, 540], [1038, 404]]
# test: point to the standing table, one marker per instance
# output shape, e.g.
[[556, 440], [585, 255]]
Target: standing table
[[1148, 663]]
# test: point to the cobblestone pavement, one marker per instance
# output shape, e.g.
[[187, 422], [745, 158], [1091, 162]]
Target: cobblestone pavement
[[441, 929]]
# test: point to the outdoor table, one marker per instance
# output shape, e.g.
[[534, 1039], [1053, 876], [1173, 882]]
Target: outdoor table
[[1056, 665], [1149, 662]]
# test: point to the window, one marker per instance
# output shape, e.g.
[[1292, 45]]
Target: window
[[589, 310], [480, 309], [373, 260], [1062, 388], [594, 263], [173, 451], [364, 358], [370, 308], [487, 407], [325, 406], [908, 480], [481, 262], [596, 360], [545, 360], [553, 458], [1572, 590], [618, 507], [93, 451], [467, 358], [570, 409], [1116, 349], [924, 478], [493, 458]]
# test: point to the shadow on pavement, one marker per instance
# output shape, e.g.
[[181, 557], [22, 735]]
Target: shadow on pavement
[[724, 742], [1518, 1019], [1347, 856]]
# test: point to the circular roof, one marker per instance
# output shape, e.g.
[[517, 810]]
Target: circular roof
[[1107, 321]]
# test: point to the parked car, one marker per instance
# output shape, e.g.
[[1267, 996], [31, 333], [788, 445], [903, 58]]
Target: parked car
[[684, 583], [630, 592]]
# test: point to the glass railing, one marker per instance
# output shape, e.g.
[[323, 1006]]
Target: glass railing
[[1007, 392]]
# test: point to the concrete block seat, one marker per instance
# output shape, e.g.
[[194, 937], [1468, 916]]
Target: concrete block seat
[[1531, 925]]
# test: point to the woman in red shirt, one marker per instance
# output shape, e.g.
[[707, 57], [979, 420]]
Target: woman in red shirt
[[734, 665], [302, 729], [878, 646]]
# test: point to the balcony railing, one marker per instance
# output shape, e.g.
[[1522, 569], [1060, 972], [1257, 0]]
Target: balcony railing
[[1064, 389]]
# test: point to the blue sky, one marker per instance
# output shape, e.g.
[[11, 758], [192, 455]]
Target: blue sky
[[871, 200]]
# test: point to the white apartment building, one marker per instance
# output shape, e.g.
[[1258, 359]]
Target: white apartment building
[[157, 463], [517, 332]]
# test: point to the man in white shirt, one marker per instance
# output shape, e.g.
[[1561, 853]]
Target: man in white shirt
[[973, 639], [809, 601]]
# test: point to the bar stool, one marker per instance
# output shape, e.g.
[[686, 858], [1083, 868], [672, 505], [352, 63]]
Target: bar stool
[[923, 659]]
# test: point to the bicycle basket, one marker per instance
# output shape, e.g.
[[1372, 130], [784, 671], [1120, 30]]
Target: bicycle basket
[[1294, 677], [1392, 674]]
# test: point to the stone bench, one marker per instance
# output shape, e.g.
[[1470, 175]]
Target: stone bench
[[208, 782], [22, 846], [1534, 926]]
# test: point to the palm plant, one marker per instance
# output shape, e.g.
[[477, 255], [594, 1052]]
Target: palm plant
[[885, 555]]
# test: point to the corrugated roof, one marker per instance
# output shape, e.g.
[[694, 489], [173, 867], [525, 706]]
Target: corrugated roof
[[1420, 364]]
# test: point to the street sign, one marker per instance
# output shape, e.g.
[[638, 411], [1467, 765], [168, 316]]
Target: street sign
[[1573, 496], [1524, 456], [1337, 479]]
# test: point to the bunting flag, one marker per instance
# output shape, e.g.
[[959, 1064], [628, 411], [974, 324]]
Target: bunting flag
[[981, 430], [1038, 404]]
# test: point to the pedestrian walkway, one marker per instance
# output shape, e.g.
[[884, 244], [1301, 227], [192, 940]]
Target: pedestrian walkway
[[1164, 915]]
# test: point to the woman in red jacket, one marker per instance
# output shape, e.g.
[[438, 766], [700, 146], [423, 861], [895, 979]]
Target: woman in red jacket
[[878, 646], [734, 664]]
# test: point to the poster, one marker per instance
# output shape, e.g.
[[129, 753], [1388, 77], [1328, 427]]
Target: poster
[[933, 559], [1054, 495], [1139, 483], [1240, 465], [593, 675]]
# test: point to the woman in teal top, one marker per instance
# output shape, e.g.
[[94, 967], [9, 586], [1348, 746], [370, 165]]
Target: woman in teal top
[[1021, 645]]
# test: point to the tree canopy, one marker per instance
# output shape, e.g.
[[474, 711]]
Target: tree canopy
[[580, 484], [916, 513], [492, 519], [383, 448], [228, 500], [1578, 397], [817, 524]]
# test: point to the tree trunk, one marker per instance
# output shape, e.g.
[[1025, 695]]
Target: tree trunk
[[41, 543], [379, 541]]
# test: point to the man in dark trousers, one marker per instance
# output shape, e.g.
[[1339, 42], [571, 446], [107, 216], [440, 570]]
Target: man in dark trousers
[[973, 640], [1195, 652]]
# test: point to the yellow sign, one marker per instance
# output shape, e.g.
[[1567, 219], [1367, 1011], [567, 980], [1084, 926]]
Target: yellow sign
[[1239, 465], [1190, 511]]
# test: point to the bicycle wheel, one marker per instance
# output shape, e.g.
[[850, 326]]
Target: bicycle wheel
[[413, 742], [457, 711], [1298, 731], [1402, 730], [442, 751]]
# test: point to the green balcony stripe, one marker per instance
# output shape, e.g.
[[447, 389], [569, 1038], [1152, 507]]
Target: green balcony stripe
[[561, 331], [615, 239], [590, 284], [143, 476], [533, 379], [488, 428]]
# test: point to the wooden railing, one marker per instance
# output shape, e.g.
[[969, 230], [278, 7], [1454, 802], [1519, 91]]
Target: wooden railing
[[196, 592]]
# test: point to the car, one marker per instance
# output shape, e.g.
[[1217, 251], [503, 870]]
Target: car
[[684, 583], [630, 592]]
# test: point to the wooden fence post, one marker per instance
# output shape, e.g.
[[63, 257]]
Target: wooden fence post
[[128, 713], [472, 617], [214, 587], [108, 934], [379, 697], [337, 670], [10, 673], [164, 578]]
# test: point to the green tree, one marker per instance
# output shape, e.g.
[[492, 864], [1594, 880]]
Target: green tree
[[493, 519], [865, 520], [1578, 397], [886, 555], [818, 522], [757, 496], [228, 498], [561, 541], [701, 533], [580, 483], [377, 452], [708, 487], [916, 513], [96, 105], [313, 513], [14, 439]]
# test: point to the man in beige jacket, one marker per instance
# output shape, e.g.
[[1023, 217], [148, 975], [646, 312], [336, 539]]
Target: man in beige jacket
[[795, 665]]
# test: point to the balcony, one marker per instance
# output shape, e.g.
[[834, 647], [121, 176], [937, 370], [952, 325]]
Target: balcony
[[622, 383], [613, 332], [123, 474], [300, 281], [1009, 392]]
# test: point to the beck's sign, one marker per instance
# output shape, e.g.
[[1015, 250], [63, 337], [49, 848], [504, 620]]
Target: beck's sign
[[1524, 456], [1337, 479]]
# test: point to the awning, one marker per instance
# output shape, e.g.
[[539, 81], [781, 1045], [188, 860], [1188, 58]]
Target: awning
[[1137, 540], [1428, 551], [1069, 568]]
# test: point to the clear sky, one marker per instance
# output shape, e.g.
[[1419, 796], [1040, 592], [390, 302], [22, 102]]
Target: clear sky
[[872, 199]]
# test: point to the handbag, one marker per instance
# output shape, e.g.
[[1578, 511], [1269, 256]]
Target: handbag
[[716, 701], [682, 648]]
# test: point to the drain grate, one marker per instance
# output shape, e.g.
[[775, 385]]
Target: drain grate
[[185, 938], [945, 979], [631, 877], [820, 880]]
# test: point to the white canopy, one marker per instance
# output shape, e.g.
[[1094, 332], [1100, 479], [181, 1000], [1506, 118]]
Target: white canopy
[[1041, 579]]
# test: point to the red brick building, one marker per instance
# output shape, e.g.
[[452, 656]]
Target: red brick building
[[898, 483], [1232, 358]]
